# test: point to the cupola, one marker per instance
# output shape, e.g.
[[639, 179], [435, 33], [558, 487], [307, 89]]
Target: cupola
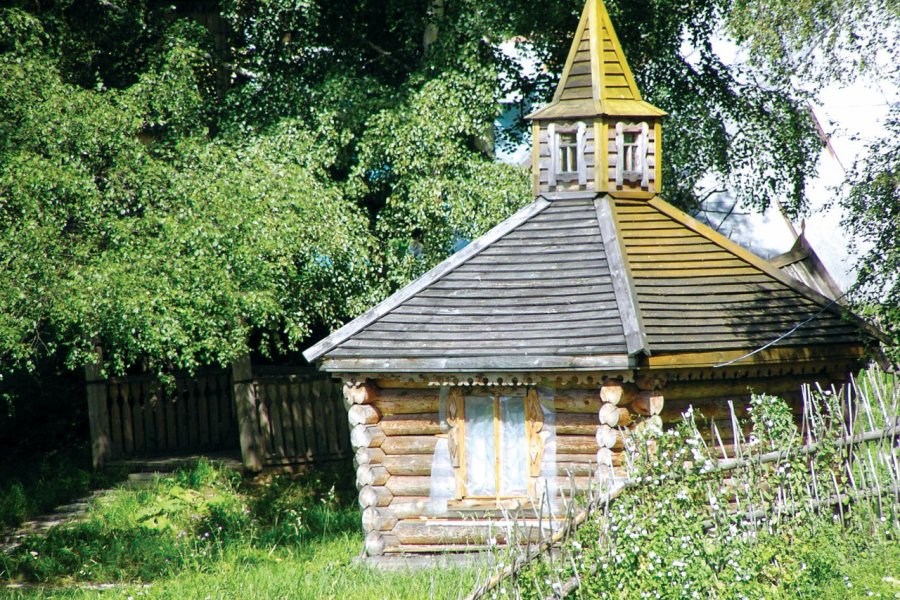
[[597, 134]]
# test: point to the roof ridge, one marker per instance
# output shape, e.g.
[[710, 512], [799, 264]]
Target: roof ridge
[[623, 282], [434, 274]]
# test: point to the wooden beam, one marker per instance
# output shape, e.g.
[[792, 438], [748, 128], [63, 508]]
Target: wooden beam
[[98, 416], [245, 411]]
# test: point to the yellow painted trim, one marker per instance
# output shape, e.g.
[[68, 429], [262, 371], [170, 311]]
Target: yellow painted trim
[[771, 355], [601, 150], [582, 23], [605, 21], [629, 195], [497, 446], [657, 131], [596, 54], [536, 158]]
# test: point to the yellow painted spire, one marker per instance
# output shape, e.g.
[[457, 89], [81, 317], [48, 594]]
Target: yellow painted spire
[[596, 79]]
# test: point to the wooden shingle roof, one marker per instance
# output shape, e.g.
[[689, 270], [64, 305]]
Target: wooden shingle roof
[[698, 290], [534, 293], [588, 282]]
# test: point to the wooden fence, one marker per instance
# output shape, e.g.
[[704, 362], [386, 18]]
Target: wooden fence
[[301, 417], [194, 416], [297, 417]]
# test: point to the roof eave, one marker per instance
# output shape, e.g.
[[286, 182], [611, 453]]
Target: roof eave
[[479, 364]]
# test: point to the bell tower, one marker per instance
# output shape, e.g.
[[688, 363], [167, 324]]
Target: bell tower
[[597, 134]]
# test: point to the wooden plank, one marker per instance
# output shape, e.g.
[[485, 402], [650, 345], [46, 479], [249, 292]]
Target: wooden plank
[[408, 464], [269, 392], [626, 298], [182, 415], [587, 323], [309, 420], [98, 416], [599, 344], [116, 421], [409, 485], [298, 395], [499, 362], [169, 407], [416, 424], [127, 420], [576, 444], [318, 422], [247, 415], [460, 336], [213, 400], [202, 392], [193, 410], [770, 355], [139, 417], [287, 417], [407, 402], [409, 444], [506, 300], [150, 412], [576, 423], [542, 265], [449, 318]]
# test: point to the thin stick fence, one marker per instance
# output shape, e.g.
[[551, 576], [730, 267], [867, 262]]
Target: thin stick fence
[[860, 422]]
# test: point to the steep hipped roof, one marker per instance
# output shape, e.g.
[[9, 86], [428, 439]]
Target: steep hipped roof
[[534, 293], [592, 283], [596, 79], [700, 292]]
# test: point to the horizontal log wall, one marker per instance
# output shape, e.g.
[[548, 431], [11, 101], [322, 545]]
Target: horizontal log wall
[[394, 459]]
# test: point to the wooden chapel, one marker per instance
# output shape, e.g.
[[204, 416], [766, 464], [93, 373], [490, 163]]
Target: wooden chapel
[[518, 365]]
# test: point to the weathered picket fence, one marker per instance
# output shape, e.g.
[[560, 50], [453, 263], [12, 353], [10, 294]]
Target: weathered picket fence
[[291, 416]]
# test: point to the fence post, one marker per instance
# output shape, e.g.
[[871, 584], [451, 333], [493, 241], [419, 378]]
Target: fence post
[[98, 415], [245, 411]]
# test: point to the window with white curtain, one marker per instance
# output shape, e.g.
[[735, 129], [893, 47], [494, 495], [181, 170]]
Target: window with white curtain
[[496, 446]]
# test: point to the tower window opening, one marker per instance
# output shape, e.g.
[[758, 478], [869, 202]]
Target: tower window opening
[[568, 152]]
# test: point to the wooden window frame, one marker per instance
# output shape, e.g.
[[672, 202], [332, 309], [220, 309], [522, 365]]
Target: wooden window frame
[[641, 175], [533, 418], [556, 174]]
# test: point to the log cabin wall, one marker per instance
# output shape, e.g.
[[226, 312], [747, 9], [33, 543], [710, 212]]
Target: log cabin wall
[[400, 431], [400, 438]]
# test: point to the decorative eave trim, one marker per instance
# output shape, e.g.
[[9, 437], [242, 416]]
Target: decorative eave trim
[[394, 300], [763, 265], [623, 284], [479, 364]]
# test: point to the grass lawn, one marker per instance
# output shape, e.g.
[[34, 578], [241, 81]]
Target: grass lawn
[[205, 534]]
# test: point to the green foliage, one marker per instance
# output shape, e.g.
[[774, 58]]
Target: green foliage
[[179, 183], [873, 220], [33, 486]]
